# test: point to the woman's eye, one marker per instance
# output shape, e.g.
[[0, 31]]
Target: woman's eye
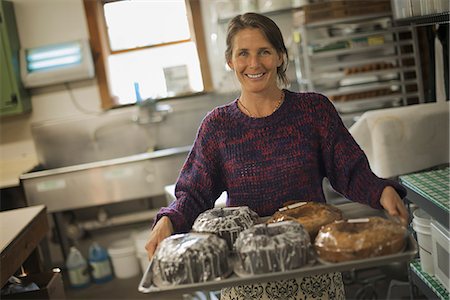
[[265, 52]]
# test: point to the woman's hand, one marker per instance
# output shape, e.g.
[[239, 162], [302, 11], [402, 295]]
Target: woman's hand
[[162, 229], [393, 204]]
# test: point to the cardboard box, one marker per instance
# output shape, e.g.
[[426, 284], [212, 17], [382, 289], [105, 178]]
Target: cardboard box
[[50, 284], [323, 11]]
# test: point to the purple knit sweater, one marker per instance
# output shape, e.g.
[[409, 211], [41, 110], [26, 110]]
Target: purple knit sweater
[[265, 162]]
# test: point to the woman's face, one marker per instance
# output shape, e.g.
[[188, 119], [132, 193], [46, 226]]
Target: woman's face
[[254, 61]]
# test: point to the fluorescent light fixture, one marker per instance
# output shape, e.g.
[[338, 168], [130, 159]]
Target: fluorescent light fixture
[[57, 63], [50, 52], [53, 63]]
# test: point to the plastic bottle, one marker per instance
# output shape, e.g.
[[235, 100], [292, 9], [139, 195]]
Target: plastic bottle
[[78, 269], [100, 264]]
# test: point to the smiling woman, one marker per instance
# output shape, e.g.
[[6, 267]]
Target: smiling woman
[[136, 47]]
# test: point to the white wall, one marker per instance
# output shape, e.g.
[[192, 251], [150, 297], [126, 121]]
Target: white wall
[[42, 22]]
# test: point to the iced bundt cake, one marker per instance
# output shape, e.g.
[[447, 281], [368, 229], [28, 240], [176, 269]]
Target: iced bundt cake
[[226, 222], [273, 247], [190, 258]]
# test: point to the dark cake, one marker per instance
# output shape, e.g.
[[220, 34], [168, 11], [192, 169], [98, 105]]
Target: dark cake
[[225, 222], [190, 258], [273, 247]]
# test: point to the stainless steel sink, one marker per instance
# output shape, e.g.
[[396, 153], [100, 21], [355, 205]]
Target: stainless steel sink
[[104, 182], [95, 160]]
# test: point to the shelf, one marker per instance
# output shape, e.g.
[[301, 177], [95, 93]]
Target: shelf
[[364, 104], [341, 75], [359, 19], [438, 18], [365, 87], [357, 62], [428, 284], [430, 191], [362, 34], [332, 53]]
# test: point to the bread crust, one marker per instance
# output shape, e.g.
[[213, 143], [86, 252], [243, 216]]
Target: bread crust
[[358, 239], [312, 215]]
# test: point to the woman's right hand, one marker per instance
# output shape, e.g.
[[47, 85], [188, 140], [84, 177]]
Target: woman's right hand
[[160, 231]]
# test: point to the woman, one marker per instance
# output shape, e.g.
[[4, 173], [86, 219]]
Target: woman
[[270, 146]]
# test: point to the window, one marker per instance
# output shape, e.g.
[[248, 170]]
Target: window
[[147, 49]]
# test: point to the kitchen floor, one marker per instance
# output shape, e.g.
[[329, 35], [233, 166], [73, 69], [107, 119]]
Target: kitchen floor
[[114, 289], [367, 284]]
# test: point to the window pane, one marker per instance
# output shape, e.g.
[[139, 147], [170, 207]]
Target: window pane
[[158, 72], [138, 23]]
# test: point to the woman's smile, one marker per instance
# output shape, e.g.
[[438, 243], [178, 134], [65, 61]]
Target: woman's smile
[[255, 76], [255, 61]]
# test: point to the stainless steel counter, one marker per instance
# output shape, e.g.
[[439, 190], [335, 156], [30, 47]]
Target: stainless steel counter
[[103, 182]]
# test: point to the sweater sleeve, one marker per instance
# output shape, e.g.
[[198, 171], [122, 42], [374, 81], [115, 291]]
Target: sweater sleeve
[[346, 165], [198, 184]]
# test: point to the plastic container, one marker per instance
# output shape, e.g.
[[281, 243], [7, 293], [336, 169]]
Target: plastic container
[[100, 265], [123, 258], [421, 225], [77, 268], [440, 237], [140, 239]]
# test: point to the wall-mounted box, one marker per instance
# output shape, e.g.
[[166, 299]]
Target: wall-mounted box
[[59, 63]]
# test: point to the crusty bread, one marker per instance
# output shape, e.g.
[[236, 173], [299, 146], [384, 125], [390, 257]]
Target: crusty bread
[[312, 215], [359, 238]]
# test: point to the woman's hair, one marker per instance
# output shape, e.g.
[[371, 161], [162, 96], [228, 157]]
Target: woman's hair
[[269, 29]]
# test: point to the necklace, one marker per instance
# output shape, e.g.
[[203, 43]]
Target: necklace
[[255, 116]]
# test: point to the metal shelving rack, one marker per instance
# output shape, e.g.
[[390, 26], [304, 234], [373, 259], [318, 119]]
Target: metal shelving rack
[[420, 21], [323, 70], [437, 18]]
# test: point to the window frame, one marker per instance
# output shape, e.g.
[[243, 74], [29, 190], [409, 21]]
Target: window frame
[[100, 47]]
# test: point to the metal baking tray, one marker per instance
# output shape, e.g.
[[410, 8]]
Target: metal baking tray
[[350, 210]]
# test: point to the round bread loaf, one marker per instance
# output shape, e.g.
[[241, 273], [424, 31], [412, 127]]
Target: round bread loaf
[[266, 248], [312, 215], [190, 258], [226, 222], [359, 238]]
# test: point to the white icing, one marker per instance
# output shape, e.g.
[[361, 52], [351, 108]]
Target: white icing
[[226, 222], [273, 247], [190, 258]]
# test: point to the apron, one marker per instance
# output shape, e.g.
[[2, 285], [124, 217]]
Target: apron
[[322, 286]]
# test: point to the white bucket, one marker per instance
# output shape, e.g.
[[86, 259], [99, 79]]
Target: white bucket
[[123, 258], [421, 225], [140, 239]]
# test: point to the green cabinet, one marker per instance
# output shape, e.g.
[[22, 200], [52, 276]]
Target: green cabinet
[[14, 98]]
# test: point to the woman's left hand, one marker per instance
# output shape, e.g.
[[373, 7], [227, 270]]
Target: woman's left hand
[[393, 204]]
